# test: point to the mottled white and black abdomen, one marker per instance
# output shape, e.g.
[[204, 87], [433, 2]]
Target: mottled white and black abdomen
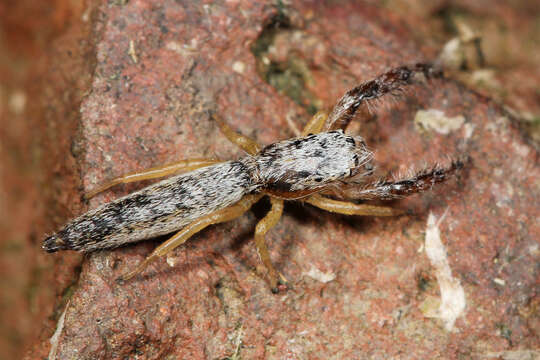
[[310, 162], [156, 210]]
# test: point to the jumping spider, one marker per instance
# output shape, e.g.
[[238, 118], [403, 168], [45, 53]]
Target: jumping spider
[[321, 161]]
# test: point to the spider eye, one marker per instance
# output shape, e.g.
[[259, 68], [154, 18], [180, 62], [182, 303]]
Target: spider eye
[[405, 75], [318, 179]]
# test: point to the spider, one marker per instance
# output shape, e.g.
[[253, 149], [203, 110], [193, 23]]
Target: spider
[[323, 160]]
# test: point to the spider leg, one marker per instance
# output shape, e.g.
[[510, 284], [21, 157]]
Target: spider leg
[[153, 173], [389, 82], [227, 214], [268, 222], [245, 143], [315, 124], [348, 208], [395, 189]]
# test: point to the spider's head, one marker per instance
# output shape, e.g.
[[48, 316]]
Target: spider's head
[[312, 162]]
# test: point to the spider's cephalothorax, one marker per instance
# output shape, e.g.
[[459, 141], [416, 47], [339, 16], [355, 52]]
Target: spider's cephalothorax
[[321, 161], [310, 163]]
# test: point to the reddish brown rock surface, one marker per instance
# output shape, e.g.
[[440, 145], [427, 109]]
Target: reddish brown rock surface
[[360, 287]]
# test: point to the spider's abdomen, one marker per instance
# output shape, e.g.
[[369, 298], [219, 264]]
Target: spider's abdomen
[[158, 209], [310, 162]]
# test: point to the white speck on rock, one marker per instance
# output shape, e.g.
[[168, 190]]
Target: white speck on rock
[[56, 336], [239, 67], [436, 120], [17, 102], [317, 274], [468, 130], [171, 260], [453, 301]]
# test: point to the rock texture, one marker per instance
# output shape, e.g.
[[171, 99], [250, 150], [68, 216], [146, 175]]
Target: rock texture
[[360, 287]]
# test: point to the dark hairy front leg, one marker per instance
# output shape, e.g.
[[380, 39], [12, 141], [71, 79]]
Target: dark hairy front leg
[[396, 189], [390, 82]]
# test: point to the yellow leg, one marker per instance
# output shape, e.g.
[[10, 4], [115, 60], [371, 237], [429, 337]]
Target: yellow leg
[[153, 173], [183, 235], [248, 145], [268, 222], [315, 125], [347, 208]]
